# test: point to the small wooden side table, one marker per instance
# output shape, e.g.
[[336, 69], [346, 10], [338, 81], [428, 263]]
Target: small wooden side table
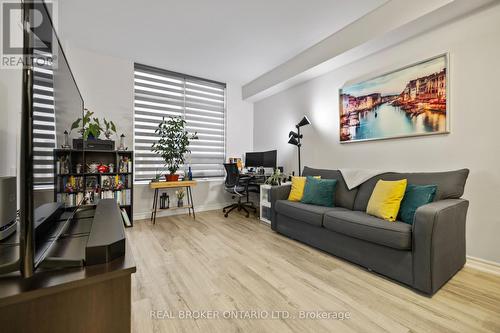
[[162, 185]]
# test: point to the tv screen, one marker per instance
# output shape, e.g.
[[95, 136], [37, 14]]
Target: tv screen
[[51, 104]]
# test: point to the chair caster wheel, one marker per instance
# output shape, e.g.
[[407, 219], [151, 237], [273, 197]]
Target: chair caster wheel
[[225, 215], [248, 215]]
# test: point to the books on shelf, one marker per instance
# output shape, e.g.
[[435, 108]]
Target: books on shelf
[[126, 220], [122, 197], [70, 199], [75, 185]]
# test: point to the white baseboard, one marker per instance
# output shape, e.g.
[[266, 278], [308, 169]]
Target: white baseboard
[[483, 265], [200, 208]]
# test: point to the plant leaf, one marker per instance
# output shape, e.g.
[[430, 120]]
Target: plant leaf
[[75, 124]]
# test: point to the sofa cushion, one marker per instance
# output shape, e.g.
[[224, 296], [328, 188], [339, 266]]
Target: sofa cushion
[[415, 196], [369, 228], [386, 199], [343, 196], [320, 192], [298, 186], [450, 184], [306, 213]]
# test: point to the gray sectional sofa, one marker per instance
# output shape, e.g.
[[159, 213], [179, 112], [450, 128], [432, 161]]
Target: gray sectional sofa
[[424, 255]]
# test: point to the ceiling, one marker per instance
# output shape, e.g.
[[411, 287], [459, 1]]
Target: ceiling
[[226, 40]]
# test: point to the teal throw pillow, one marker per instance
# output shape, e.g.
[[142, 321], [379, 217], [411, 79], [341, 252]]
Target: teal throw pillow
[[319, 192], [415, 196]]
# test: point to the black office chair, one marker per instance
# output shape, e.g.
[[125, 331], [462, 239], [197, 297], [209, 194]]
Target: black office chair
[[237, 185]]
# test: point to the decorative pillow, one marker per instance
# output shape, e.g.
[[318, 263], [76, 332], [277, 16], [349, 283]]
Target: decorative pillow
[[319, 192], [415, 196], [297, 190], [386, 199]]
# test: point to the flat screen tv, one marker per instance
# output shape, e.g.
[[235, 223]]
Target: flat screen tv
[[51, 103]]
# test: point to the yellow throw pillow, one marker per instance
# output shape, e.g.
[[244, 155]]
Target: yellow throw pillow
[[386, 199], [297, 190]]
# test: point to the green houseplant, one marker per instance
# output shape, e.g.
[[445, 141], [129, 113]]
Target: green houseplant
[[276, 178], [91, 127], [110, 128], [173, 144]]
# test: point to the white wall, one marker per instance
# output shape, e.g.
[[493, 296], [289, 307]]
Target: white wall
[[474, 50], [106, 83], [10, 119], [107, 87]]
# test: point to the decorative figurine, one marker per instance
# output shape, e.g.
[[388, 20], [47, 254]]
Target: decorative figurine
[[66, 145], [92, 167], [122, 142], [103, 168], [123, 165], [63, 165]]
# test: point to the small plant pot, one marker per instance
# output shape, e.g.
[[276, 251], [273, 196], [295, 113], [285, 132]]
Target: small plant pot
[[180, 203], [172, 177]]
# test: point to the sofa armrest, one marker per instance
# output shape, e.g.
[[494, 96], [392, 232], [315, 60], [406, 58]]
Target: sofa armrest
[[277, 193], [438, 243]]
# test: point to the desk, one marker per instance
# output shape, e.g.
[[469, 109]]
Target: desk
[[158, 186], [255, 178]]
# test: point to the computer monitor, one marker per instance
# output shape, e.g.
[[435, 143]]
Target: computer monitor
[[267, 159], [253, 160]]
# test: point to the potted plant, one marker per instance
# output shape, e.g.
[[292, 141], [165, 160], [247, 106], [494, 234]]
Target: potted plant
[[180, 197], [276, 178], [91, 131], [109, 128], [91, 126], [173, 144], [157, 176]]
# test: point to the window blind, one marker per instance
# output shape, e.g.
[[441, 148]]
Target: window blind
[[202, 103], [44, 125]]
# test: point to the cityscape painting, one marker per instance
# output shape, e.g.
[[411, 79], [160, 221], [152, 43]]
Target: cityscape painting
[[408, 102]]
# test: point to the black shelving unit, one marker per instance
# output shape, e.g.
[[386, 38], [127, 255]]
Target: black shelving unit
[[89, 189]]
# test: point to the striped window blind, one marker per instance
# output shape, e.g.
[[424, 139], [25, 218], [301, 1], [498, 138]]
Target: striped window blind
[[44, 126], [202, 103]]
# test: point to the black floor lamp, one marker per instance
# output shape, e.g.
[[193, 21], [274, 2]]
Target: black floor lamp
[[295, 137]]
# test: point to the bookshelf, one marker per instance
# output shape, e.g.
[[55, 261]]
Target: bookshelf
[[81, 177]]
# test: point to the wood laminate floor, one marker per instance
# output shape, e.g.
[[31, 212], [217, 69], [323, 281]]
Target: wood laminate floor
[[234, 266]]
